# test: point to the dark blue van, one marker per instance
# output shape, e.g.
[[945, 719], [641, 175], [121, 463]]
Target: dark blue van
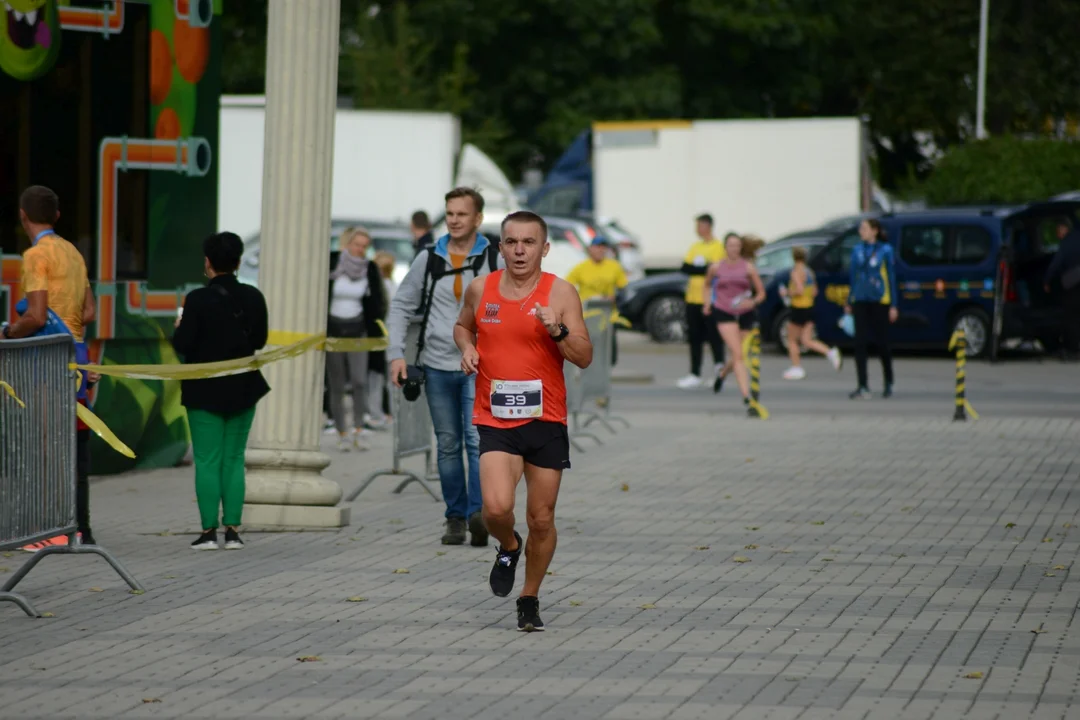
[[979, 268]]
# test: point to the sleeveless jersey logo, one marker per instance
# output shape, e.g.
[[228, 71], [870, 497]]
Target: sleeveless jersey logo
[[491, 313]]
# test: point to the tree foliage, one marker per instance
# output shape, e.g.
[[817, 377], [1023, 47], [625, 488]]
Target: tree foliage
[[527, 77], [1004, 170]]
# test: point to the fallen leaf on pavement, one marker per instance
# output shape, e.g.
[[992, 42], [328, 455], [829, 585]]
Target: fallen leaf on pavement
[[440, 553], [648, 606], [752, 527], [749, 459], [5, 569], [47, 614], [818, 522], [136, 592], [396, 521], [1048, 539], [906, 508], [740, 559], [1066, 525], [309, 658], [8, 554], [787, 551], [750, 547], [826, 559], [1010, 525], [163, 533], [1039, 630], [549, 572], [401, 571], [1058, 567], [96, 590], [150, 700], [702, 547], [356, 598], [727, 497], [169, 577], [575, 603], [977, 675], [1049, 575], [625, 487]]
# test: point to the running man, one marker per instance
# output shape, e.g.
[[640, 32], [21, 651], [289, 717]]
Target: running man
[[516, 328]]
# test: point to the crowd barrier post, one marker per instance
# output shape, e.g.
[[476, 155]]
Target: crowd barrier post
[[596, 379], [37, 456], [412, 432]]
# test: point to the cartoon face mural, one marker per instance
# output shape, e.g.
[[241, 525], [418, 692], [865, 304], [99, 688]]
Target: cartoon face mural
[[29, 37]]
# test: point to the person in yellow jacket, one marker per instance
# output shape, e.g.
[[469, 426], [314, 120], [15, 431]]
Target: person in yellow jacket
[[703, 253], [599, 278]]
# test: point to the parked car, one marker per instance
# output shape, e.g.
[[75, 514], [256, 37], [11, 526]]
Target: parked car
[[655, 303], [392, 238], [955, 268]]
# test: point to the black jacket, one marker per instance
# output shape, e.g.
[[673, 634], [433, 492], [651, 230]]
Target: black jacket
[[1066, 258], [374, 304], [424, 242], [213, 328]]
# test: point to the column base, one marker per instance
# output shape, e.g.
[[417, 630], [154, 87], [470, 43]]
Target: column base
[[286, 490], [294, 517]]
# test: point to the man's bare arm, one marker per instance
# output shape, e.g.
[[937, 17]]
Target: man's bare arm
[[89, 308], [37, 312], [575, 347], [465, 327]]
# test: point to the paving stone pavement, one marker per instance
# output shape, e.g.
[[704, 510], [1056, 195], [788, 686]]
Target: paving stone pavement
[[708, 567]]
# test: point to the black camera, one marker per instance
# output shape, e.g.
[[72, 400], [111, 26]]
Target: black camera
[[414, 381]]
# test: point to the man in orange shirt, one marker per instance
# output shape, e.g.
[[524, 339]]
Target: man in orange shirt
[[54, 278]]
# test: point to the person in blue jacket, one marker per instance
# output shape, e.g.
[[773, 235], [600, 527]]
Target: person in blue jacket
[[872, 302]]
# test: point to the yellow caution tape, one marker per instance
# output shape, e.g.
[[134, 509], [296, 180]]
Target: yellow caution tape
[[102, 430], [11, 391], [954, 339], [91, 420], [292, 344], [970, 410], [761, 411], [614, 318]]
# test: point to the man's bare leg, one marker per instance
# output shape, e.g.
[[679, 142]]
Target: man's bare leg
[[543, 492], [499, 476]]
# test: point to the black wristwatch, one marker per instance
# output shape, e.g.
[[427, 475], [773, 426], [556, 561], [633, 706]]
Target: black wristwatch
[[563, 332]]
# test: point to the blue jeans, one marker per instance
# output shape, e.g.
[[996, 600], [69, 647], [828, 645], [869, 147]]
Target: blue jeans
[[450, 396]]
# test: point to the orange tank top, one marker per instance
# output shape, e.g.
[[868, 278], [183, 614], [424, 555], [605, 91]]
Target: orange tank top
[[520, 377]]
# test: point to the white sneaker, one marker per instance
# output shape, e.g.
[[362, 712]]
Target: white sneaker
[[794, 373], [344, 443], [360, 440], [689, 382], [835, 358]]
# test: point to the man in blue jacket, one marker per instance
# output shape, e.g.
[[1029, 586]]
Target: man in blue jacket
[[873, 302]]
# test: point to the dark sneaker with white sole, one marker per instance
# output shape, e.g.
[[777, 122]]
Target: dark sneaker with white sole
[[478, 530], [206, 541], [529, 614], [232, 540], [502, 574], [455, 531], [861, 394]]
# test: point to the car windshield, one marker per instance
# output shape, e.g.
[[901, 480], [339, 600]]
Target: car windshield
[[775, 259]]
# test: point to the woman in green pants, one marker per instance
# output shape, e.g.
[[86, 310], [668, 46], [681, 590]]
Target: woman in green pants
[[222, 321]]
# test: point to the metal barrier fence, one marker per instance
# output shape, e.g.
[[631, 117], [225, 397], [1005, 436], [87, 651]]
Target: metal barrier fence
[[412, 431], [593, 384], [37, 455]]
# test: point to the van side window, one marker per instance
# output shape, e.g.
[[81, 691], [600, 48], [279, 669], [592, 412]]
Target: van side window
[[971, 245], [924, 245], [837, 256]]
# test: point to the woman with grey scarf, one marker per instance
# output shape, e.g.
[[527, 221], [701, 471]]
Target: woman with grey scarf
[[357, 302]]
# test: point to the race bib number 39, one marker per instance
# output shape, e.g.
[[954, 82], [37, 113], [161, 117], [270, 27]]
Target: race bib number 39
[[514, 399]]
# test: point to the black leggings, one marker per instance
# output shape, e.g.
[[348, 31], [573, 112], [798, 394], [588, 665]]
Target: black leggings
[[82, 479], [872, 319], [699, 330]]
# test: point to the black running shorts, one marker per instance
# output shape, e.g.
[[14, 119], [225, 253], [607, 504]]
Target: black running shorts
[[540, 443], [801, 316], [746, 320]]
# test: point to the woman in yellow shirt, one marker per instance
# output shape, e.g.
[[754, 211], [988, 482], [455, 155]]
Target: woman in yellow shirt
[[599, 278], [801, 291]]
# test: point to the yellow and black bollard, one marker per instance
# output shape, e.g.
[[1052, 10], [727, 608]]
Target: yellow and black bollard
[[754, 362], [963, 407]]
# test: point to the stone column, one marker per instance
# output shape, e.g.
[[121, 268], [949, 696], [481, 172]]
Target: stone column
[[285, 488]]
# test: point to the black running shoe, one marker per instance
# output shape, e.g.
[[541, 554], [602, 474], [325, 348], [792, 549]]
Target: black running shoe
[[718, 384], [206, 541], [529, 614], [860, 394], [502, 574], [888, 392], [232, 540], [455, 531], [478, 530]]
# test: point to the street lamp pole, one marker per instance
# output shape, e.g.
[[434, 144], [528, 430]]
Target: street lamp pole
[[980, 92]]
